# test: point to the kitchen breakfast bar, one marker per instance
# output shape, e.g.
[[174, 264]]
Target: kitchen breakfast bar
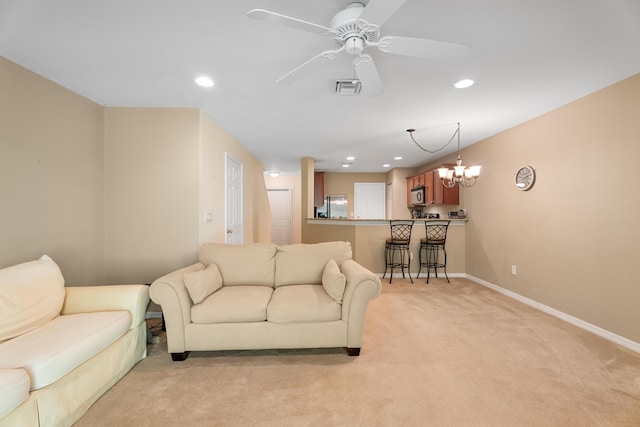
[[368, 236]]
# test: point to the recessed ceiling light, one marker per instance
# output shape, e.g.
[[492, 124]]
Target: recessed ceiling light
[[386, 165], [274, 174], [397, 158], [463, 84], [351, 158], [346, 165], [204, 81]]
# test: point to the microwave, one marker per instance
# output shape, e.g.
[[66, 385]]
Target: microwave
[[417, 196], [461, 214]]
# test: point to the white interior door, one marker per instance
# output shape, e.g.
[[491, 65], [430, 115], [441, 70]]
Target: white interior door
[[233, 200], [281, 202], [389, 201], [369, 200]]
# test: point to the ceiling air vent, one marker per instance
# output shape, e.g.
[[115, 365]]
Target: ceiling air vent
[[348, 87]]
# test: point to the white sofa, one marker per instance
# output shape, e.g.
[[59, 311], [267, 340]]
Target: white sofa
[[263, 296], [61, 347]]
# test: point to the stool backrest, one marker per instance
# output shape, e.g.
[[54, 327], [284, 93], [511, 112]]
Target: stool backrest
[[436, 231], [401, 230]]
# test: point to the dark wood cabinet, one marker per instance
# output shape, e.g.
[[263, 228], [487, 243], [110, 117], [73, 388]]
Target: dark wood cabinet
[[434, 192]]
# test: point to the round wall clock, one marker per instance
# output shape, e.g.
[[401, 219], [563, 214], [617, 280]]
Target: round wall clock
[[525, 178]]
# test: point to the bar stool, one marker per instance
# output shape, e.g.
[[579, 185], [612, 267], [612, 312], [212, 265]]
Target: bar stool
[[432, 244], [397, 246]]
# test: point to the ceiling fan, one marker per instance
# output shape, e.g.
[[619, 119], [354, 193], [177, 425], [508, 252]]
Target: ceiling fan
[[356, 28]]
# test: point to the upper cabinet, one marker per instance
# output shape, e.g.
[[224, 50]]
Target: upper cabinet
[[434, 192]]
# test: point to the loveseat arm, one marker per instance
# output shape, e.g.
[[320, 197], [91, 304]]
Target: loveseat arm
[[362, 286], [87, 299], [171, 294]]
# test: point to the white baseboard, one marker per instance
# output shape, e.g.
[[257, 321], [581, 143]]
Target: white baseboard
[[625, 342]]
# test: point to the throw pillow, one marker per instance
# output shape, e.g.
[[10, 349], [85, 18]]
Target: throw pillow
[[333, 281], [200, 284]]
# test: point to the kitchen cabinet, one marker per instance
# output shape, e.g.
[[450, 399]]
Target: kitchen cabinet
[[413, 182], [443, 195], [434, 192]]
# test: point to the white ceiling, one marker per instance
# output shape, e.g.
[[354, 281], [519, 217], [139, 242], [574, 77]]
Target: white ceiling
[[526, 57]]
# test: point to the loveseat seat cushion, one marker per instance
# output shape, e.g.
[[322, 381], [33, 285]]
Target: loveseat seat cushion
[[57, 347], [232, 304], [31, 294], [302, 303], [14, 389], [241, 264], [303, 264]]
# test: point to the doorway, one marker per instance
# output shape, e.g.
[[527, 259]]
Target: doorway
[[281, 202], [233, 214], [369, 200]]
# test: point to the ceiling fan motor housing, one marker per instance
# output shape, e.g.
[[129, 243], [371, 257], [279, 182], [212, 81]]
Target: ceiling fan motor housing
[[349, 31]]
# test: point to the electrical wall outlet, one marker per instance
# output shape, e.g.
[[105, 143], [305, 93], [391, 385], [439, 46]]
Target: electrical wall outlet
[[411, 256], [514, 270]]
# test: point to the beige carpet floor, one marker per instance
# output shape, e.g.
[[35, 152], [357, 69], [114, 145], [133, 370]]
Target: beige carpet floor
[[441, 354]]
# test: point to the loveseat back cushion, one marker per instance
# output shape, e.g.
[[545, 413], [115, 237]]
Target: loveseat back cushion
[[31, 294], [302, 303], [303, 263], [233, 304], [252, 264]]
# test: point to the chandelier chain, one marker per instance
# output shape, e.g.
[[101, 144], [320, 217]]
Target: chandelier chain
[[456, 133]]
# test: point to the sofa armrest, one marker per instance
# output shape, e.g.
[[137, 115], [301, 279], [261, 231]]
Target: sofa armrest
[[171, 294], [362, 286], [86, 299]]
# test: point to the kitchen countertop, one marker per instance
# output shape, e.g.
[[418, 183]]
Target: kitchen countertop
[[355, 221]]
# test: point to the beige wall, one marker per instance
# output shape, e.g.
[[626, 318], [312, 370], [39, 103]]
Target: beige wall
[[151, 191], [51, 175], [397, 178], [338, 183], [574, 236], [215, 144], [164, 168], [114, 195]]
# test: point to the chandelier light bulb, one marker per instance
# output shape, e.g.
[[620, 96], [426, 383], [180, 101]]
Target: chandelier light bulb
[[458, 174]]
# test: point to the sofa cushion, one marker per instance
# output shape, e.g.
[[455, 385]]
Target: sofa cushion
[[241, 264], [200, 284], [31, 294], [302, 303], [333, 281], [233, 304], [14, 389], [303, 264], [52, 350]]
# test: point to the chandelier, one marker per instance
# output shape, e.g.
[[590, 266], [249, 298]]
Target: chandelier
[[458, 174]]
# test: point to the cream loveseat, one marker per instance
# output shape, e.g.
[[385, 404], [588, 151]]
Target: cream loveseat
[[263, 296], [61, 347]]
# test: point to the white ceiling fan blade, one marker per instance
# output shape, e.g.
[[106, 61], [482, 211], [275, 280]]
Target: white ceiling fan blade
[[368, 75], [299, 24], [422, 48], [379, 11], [327, 54]]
